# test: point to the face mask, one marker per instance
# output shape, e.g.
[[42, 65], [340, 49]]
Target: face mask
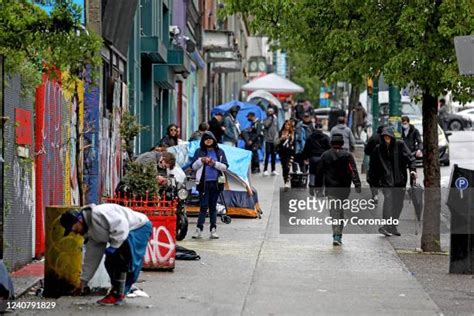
[[250, 120], [405, 126]]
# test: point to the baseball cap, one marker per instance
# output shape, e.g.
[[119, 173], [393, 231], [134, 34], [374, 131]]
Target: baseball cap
[[251, 114], [68, 219], [337, 139]]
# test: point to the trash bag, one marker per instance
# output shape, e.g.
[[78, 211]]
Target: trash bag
[[186, 254]]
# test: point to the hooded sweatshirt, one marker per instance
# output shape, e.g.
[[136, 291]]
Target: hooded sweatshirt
[[389, 163], [317, 143], [217, 154], [349, 140], [106, 223]]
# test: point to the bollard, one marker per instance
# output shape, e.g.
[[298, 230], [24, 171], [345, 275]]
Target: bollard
[[460, 202], [63, 256]]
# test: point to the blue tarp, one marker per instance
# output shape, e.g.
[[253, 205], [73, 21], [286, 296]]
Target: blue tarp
[[245, 108], [238, 159]]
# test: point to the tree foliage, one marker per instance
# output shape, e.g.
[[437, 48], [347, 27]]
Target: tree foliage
[[33, 40], [410, 42]]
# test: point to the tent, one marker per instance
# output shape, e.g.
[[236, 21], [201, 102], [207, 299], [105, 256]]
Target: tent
[[263, 99], [240, 197], [264, 95], [245, 108], [274, 84]]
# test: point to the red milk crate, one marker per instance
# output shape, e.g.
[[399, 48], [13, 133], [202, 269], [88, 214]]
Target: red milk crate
[[161, 250]]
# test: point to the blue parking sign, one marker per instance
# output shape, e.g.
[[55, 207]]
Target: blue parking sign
[[461, 183]]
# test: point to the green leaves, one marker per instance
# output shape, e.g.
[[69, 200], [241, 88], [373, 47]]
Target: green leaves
[[30, 39], [409, 41]]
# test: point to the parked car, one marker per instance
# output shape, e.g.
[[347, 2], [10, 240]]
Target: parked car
[[468, 114], [443, 144], [456, 122]]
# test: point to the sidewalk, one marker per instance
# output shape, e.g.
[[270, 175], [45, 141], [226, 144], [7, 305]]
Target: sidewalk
[[253, 269], [27, 277]]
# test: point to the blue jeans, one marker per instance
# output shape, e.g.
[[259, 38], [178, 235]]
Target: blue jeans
[[208, 201]]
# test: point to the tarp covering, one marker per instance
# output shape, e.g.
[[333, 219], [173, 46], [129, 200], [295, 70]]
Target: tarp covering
[[273, 83], [245, 108], [238, 159]]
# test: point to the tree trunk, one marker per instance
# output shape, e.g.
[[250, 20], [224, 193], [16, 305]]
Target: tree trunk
[[430, 238], [353, 100]]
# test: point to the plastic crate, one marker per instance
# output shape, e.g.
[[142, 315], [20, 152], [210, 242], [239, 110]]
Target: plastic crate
[[161, 249]]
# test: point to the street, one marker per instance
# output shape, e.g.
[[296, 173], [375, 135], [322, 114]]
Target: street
[[253, 269], [461, 146]]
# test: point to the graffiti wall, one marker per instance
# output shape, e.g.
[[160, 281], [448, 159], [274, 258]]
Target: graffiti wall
[[58, 118], [18, 181]]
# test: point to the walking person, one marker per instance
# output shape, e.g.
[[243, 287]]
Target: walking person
[[369, 148], [412, 138], [286, 150], [231, 127], [210, 162], [388, 170], [303, 130], [253, 137], [216, 127], [359, 116], [335, 172], [124, 230], [270, 135], [341, 128], [315, 146]]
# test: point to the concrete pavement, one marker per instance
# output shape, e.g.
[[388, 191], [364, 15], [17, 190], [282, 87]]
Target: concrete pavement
[[254, 270]]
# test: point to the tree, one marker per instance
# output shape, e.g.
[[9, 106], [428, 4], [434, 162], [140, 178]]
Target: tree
[[411, 42], [35, 42], [303, 76]]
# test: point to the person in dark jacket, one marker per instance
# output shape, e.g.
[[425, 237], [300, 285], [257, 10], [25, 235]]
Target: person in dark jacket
[[388, 170], [253, 137], [336, 171], [171, 137], [197, 135], [210, 163], [216, 127], [286, 149], [411, 136], [232, 127], [373, 141], [315, 146]]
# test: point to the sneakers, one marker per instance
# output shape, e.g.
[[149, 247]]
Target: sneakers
[[337, 240], [274, 173], [265, 173], [394, 231], [111, 299], [287, 185], [197, 234], [214, 234], [384, 231]]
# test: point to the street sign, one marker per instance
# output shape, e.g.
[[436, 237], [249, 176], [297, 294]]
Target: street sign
[[461, 184], [465, 54]]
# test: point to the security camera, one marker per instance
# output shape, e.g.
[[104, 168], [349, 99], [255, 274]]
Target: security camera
[[175, 31], [190, 45]]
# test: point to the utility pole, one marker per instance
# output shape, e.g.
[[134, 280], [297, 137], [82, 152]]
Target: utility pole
[[375, 105], [395, 111]]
